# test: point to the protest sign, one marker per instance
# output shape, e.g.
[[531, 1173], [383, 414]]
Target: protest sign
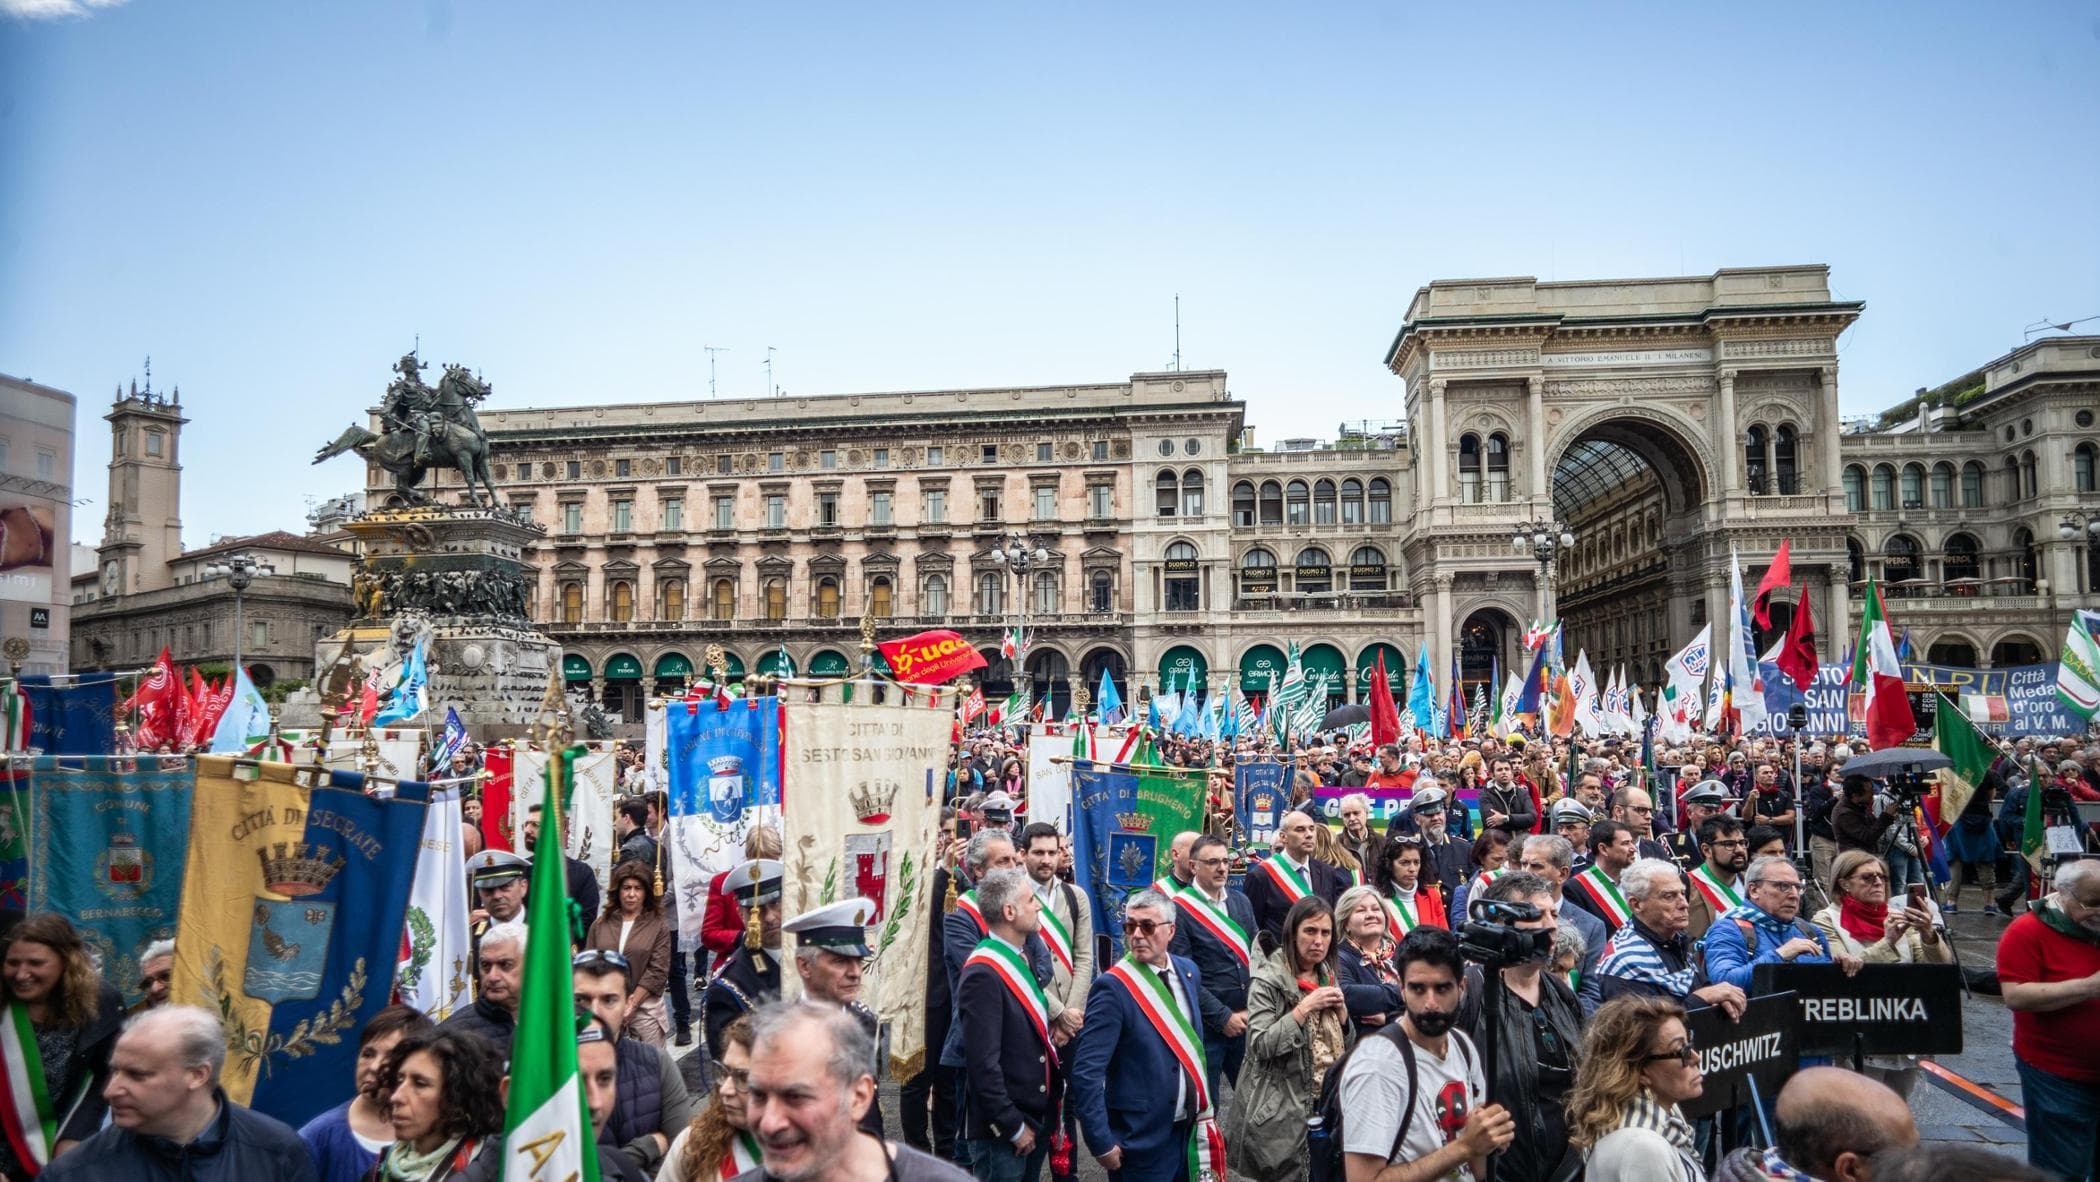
[[1761, 1045], [1884, 1009]]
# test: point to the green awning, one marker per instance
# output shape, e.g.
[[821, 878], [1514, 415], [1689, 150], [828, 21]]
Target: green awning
[[829, 664], [776, 664], [733, 665], [674, 665], [1367, 668], [1323, 660], [1261, 670], [575, 668], [1182, 665], [623, 665]]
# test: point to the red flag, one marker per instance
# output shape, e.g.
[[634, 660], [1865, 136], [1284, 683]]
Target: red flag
[[1777, 575], [1385, 715], [156, 702], [930, 658], [495, 800], [973, 706], [1797, 657], [368, 701]]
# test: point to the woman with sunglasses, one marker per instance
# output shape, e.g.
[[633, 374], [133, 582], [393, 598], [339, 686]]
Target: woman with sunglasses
[[633, 926], [1397, 876], [1297, 1026], [1638, 1065], [1861, 923], [719, 1144]]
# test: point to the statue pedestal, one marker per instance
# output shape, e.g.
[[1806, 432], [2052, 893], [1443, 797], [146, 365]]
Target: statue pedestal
[[459, 571]]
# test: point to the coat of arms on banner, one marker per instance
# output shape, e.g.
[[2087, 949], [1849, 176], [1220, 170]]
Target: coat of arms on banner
[[868, 860], [288, 944], [124, 871], [872, 800], [1132, 852], [725, 789]]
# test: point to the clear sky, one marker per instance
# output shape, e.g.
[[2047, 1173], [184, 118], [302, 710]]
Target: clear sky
[[273, 199]]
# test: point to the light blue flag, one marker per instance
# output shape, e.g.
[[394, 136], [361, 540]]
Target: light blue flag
[[451, 742], [1189, 721], [405, 700], [1421, 694], [246, 721], [1152, 714], [1109, 701]]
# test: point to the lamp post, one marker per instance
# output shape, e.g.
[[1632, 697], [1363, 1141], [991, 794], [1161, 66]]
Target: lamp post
[[1543, 541], [1021, 555], [2077, 522], [239, 570]]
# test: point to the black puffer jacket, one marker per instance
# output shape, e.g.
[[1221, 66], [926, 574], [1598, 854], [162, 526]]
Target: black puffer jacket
[[238, 1146]]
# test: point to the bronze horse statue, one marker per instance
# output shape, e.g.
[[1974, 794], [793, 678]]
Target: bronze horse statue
[[441, 431]]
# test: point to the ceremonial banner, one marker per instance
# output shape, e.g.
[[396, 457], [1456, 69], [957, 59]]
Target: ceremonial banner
[[400, 753], [436, 972], [77, 718], [722, 763], [1259, 792], [654, 738], [14, 840], [866, 806], [1386, 803], [587, 833], [292, 906], [106, 846], [1124, 820], [496, 830], [1050, 784]]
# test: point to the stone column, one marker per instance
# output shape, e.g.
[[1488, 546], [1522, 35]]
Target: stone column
[[1437, 459], [1541, 492], [1836, 626], [1440, 650], [1349, 685], [597, 689], [1828, 465], [1727, 439], [1539, 595]]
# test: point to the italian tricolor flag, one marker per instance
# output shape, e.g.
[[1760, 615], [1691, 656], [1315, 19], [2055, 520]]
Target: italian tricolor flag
[[547, 1131], [1878, 676]]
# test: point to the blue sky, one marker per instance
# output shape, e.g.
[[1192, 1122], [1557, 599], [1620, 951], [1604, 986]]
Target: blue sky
[[273, 199]]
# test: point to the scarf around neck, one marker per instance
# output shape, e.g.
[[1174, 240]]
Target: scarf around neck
[[1864, 922], [2051, 913], [1644, 1111], [401, 1162]]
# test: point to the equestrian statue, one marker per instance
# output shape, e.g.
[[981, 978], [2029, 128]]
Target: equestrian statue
[[426, 429]]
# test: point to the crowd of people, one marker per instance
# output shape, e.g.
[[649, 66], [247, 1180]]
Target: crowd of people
[[1312, 1005]]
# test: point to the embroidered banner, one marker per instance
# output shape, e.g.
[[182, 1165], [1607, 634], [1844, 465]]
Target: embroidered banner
[[722, 764], [587, 834], [862, 778], [77, 718], [1260, 789], [436, 973], [106, 851], [1123, 825]]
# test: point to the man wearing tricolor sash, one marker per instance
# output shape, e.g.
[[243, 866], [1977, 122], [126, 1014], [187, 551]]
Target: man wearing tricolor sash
[[1138, 1075], [1717, 881], [962, 930], [1067, 928], [1214, 932], [1177, 878], [1596, 890], [1012, 1070], [1289, 874]]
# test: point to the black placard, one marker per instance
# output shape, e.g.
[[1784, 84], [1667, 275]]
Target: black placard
[[1885, 1009], [1763, 1045], [40, 617], [1315, 572], [1180, 565]]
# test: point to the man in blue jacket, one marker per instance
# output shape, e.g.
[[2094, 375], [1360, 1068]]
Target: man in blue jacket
[[1215, 932], [1138, 1075], [1767, 928]]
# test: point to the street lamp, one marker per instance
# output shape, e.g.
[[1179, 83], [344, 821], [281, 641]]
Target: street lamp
[[2075, 523], [1022, 555], [239, 570], [1543, 541]]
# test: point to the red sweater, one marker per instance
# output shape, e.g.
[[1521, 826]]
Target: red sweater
[[2059, 1042], [722, 924]]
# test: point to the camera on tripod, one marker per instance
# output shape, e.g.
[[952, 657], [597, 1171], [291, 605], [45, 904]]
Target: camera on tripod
[[1489, 938]]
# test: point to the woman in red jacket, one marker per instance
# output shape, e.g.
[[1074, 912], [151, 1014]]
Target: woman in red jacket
[[722, 924]]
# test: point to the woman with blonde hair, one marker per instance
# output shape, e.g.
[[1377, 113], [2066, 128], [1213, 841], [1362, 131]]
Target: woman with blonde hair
[[1328, 848], [1861, 923], [1638, 1065], [719, 1144], [50, 991]]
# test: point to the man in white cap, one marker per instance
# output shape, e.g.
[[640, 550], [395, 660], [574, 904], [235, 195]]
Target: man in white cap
[[750, 975], [1444, 861], [830, 944], [1707, 798], [1571, 819], [498, 880]]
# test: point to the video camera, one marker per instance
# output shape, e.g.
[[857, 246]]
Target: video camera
[[1489, 939]]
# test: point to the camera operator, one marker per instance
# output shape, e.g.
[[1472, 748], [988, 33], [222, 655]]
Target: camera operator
[[1532, 1050], [1855, 821]]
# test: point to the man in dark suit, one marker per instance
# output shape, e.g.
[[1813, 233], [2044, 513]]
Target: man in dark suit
[[1137, 1076], [988, 851], [1288, 874], [1011, 1070], [1216, 934]]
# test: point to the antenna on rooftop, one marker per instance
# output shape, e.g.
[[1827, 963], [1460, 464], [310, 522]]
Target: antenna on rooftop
[[771, 389], [711, 350], [2039, 326], [1177, 332]]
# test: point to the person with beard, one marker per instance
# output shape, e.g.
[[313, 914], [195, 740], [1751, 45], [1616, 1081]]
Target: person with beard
[[1505, 803], [654, 1104], [1415, 1093], [582, 880], [751, 975], [2049, 969], [1538, 1035], [499, 970], [1717, 880], [1702, 802], [1635, 809], [1596, 889], [345, 1140]]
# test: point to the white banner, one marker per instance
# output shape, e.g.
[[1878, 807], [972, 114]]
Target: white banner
[[863, 800], [400, 749], [1050, 784], [438, 973], [588, 835]]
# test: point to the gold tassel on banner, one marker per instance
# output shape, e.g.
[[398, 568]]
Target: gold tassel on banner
[[754, 928]]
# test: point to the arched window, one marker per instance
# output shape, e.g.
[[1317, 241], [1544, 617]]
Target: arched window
[[1192, 493], [572, 603], [1045, 593], [2012, 477], [1352, 501], [1367, 569], [1901, 562], [670, 599], [621, 597], [1754, 460], [1498, 467], [722, 600], [1181, 585], [1913, 486], [1167, 492], [1855, 561], [1243, 503], [1469, 468], [827, 598], [1381, 501], [1323, 502], [776, 599], [2027, 482], [1101, 592], [933, 596], [991, 593], [1972, 485], [1943, 485], [1961, 562], [1784, 464], [1855, 488], [1271, 503], [1884, 488], [1296, 498], [2026, 562], [882, 597], [1315, 571], [2084, 461]]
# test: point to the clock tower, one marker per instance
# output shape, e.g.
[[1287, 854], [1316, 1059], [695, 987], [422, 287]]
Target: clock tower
[[143, 529]]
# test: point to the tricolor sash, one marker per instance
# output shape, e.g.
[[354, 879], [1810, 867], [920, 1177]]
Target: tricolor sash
[[1481, 881], [743, 1155], [1401, 917], [1605, 894], [1287, 880], [967, 904], [1005, 962], [1156, 1001], [1213, 918], [27, 1109], [1058, 937], [1719, 895]]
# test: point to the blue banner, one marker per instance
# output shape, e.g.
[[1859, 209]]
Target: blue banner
[[1099, 792], [2014, 701], [722, 760], [106, 851], [1260, 790], [78, 718]]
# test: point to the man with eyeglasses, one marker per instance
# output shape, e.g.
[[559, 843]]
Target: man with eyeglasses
[[652, 1103], [1717, 878], [1551, 858], [1635, 809], [1702, 802], [1012, 1069], [1215, 932], [2049, 968], [1650, 956], [1139, 1101]]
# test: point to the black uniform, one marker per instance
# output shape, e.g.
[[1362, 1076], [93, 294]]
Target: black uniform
[[748, 978]]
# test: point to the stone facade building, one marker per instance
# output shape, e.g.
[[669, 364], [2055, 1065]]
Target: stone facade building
[[36, 520]]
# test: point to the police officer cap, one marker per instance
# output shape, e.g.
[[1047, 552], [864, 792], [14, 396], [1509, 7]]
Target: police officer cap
[[997, 804], [1426, 800], [1707, 792], [494, 868], [840, 927], [756, 881], [1570, 810]]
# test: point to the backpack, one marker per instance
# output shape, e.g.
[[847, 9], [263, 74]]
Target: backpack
[[1325, 1162]]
